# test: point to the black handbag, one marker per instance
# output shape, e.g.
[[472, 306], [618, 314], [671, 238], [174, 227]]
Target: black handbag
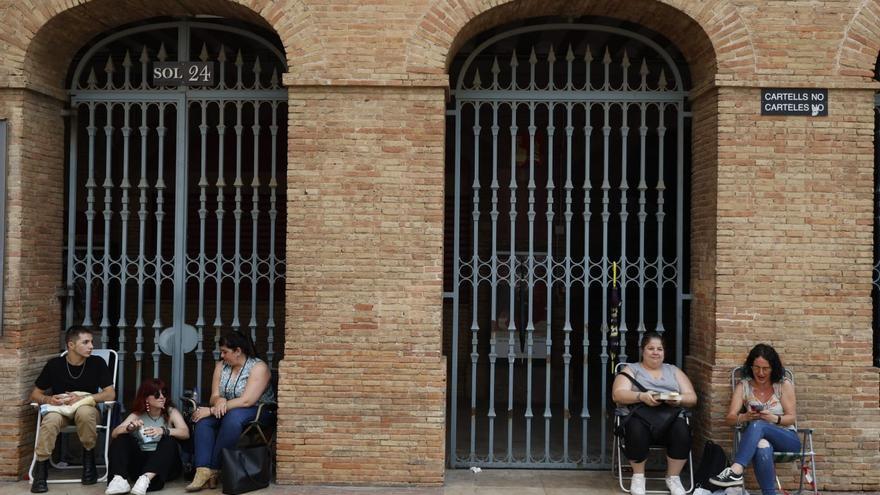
[[244, 469], [657, 418]]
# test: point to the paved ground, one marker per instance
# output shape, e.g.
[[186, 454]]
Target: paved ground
[[458, 482]]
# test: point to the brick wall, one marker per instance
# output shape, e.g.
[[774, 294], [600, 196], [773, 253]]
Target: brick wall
[[363, 382], [794, 257], [33, 264], [781, 213]]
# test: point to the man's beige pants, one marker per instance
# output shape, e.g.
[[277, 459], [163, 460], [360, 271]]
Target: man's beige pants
[[86, 419]]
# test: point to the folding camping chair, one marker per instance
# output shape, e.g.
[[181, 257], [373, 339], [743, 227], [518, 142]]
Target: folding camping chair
[[106, 411], [807, 473], [618, 461]]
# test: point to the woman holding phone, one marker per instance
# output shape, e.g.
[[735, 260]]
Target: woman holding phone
[[767, 402]]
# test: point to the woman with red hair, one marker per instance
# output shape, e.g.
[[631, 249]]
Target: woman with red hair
[[145, 444]]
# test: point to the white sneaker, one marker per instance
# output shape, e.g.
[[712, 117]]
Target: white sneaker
[[141, 485], [637, 485], [674, 485], [117, 486]]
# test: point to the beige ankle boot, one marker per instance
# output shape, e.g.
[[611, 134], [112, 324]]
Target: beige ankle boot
[[202, 479]]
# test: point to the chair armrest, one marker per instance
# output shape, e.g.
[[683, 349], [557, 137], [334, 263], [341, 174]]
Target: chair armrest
[[263, 406], [805, 430]]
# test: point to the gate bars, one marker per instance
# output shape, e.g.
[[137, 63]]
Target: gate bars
[[528, 116], [146, 135]]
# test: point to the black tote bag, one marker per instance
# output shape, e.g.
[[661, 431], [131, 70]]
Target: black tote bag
[[244, 469], [657, 418]]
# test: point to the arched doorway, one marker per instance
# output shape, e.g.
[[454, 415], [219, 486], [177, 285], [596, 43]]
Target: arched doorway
[[176, 196], [567, 219]]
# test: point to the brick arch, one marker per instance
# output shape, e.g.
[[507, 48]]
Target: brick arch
[[860, 44], [57, 30], [712, 35]]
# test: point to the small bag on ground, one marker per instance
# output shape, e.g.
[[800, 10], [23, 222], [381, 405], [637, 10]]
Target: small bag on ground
[[714, 461]]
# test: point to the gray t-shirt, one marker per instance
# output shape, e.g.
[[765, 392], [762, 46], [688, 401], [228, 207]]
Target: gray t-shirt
[[147, 443], [666, 383]]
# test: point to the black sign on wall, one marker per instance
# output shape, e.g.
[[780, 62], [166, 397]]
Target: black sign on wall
[[183, 73], [794, 101]]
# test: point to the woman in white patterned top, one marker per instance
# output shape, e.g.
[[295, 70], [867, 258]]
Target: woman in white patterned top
[[241, 382], [766, 401]]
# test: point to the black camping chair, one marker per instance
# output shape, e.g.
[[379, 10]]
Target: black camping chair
[[620, 466]]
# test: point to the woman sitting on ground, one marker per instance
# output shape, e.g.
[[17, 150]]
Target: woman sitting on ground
[[241, 382], [766, 401], [655, 375], [144, 446]]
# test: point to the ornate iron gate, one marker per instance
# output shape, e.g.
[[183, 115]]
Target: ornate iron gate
[[566, 208], [153, 260]]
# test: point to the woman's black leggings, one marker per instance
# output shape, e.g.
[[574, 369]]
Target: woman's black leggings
[[638, 440], [129, 461]]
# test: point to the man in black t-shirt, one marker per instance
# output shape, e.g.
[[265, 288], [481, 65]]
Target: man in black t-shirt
[[76, 371]]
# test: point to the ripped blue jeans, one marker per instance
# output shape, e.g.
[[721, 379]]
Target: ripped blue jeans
[[781, 439]]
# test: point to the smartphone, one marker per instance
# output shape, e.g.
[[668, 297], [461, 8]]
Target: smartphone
[[756, 407]]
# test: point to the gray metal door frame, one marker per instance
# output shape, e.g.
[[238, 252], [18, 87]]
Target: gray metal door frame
[[250, 90], [479, 91]]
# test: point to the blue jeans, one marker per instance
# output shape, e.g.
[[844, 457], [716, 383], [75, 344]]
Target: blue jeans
[[212, 435], [780, 440]]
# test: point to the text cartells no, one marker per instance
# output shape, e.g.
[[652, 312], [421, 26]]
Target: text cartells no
[[794, 101], [183, 73]]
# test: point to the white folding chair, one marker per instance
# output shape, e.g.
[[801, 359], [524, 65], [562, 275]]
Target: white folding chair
[[620, 465], [106, 411], [807, 451]]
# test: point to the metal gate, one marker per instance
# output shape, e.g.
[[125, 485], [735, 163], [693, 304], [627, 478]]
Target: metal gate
[[569, 164], [154, 261]]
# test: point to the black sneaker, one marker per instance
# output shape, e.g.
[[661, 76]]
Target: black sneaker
[[727, 478]]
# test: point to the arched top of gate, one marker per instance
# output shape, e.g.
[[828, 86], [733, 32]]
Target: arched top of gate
[[712, 35], [612, 69], [41, 58], [121, 61]]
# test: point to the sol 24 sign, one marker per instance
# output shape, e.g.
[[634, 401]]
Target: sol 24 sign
[[183, 73]]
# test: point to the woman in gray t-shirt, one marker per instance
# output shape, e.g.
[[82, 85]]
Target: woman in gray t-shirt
[[658, 378]]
